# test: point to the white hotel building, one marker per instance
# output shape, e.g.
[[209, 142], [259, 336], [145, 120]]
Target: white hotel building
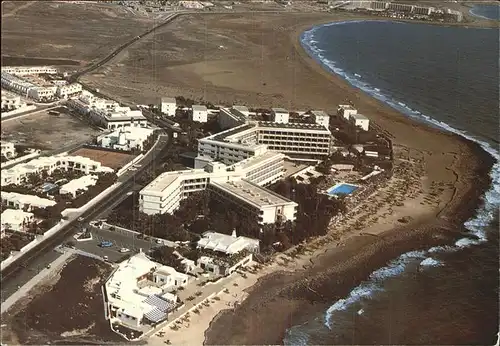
[[241, 183], [17, 174], [19, 201], [107, 113], [168, 106], [29, 70], [8, 149], [137, 294], [10, 101], [253, 138]]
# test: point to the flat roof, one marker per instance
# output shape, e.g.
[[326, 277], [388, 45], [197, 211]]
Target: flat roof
[[199, 108], [359, 116], [240, 108], [222, 135], [164, 180], [279, 110], [252, 193], [168, 100], [302, 126], [255, 160], [319, 113]]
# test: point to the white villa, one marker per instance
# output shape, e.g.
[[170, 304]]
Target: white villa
[[137, 294]]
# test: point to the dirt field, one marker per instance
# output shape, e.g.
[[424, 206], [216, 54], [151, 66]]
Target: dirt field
[[45, 131], [61, 30], [106, 158], [67, 309]]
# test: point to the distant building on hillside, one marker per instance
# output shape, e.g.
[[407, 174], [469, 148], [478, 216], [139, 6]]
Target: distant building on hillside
[[168, 106]]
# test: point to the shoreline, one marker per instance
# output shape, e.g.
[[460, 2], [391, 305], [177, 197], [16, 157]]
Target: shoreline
[[459, 209]]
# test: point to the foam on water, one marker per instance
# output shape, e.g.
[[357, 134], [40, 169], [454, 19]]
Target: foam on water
[[430, 262], [476, 225]]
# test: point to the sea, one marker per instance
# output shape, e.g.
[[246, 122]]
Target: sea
[[448, 78], [486, 11]]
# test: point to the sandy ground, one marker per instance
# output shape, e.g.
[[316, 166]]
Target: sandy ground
[[65, 30], [42, 130], [64, 308]]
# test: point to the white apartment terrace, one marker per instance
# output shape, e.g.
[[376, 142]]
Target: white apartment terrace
[[20, 201], [18, 173]]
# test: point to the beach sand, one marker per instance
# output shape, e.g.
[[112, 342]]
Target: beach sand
[[257, 60]]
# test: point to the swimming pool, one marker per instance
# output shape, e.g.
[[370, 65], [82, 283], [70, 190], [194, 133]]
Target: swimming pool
[[342, 189]]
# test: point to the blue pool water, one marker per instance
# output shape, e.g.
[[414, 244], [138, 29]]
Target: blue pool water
[[342, 189]]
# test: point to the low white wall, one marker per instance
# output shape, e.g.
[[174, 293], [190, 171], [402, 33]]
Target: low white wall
[[20, 159], [17, 111], [124, 168]]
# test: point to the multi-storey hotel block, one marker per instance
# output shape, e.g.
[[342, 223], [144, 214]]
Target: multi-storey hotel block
[[240, 183], [251, 139]]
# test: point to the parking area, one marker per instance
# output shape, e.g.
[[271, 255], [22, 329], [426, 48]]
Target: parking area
[[119, 239]]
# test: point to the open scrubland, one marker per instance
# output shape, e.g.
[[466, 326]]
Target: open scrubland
[[63, 30], [46, 131]]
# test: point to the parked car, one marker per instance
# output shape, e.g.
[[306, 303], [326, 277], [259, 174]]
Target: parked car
[[105, 243], [105, 258], [158, 241], [80, 219], [124, 249]]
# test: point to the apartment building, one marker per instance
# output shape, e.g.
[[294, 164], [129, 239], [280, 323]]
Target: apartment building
[[8, 149], [423, 10], [26, 202], [398, 7], [16, 220], [280, 115], [231, 146], [321, 118], [232, 117], [29, 70], [263, 204], [168, 106], [78, 185], [199, 113], [359, 120], [253, 138], [164, 194], [295, 138], [65, 91], [17, 174], [379, 5], [10, 101], [126, 138], [107, 113], [346, 111]]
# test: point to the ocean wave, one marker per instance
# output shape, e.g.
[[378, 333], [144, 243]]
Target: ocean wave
[[430, 262], [476, 225]]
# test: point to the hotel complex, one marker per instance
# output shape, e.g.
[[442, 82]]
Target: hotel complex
[[27, 82], [20, 172], [240, 183], [107, 113]]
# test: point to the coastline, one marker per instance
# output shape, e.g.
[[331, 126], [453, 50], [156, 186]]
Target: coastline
[[367, 254]]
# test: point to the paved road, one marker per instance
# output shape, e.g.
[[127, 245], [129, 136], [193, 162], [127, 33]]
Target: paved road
[[19, 272]]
